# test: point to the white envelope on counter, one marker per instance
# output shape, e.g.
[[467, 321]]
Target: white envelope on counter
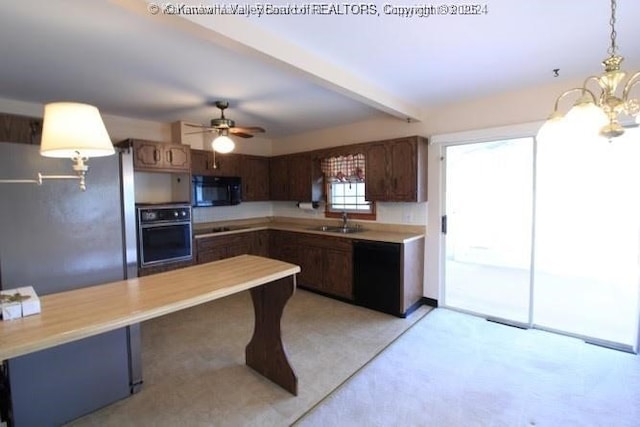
[[19, 302]]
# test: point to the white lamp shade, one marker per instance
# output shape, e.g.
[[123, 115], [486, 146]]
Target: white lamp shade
[[71, 129], [585, 120], [223, 144], [553, 130]]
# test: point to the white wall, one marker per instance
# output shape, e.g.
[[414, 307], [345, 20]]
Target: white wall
[[244, 210]]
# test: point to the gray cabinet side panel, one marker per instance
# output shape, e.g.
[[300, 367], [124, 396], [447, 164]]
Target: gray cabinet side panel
[[54, 386]]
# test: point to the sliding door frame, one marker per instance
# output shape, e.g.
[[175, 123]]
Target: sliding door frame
[[443, 156], [436, 240]]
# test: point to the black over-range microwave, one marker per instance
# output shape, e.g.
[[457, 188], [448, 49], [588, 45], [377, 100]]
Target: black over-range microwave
[[215, 190]]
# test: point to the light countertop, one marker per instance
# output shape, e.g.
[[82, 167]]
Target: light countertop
[[374, 232], [73, 315]]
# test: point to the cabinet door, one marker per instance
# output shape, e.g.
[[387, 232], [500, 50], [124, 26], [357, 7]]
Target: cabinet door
[[311, 267], [14, 128], [211, 255], [260, 243], [209, 249], [238, 244], [299, 168], [376, 172], [254, 171], [147, 154], [177, 156], [283, 246], [278, 178], [201, 162], [403, 174], [226, 165], [338, 279]]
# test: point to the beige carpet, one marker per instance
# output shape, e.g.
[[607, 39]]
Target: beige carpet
[[194, 371], [457, 370]]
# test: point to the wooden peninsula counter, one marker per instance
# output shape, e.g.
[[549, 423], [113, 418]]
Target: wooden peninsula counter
[[77, 314]]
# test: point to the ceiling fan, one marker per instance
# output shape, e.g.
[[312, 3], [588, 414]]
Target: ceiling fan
[[224, 126]]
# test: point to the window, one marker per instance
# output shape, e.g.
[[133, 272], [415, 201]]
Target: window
[[344, 179]]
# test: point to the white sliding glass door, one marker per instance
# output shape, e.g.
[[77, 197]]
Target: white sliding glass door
[[587, 238], [561, 255], [489, 193]]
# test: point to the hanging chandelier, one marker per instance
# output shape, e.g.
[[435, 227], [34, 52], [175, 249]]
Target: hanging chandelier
[[597, 113]]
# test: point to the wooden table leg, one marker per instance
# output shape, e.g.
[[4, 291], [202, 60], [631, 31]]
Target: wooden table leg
[[265, 352]]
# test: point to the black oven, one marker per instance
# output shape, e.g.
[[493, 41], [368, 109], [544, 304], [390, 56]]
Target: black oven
[[164, 234]]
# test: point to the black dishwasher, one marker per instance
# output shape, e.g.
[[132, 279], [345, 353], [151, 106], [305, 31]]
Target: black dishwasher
[[376, 275]]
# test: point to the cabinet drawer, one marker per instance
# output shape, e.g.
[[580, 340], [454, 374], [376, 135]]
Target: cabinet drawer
[[215, 242], [206, 243], [327, 242], [211, 255]]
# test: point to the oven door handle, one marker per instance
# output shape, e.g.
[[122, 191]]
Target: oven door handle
[[164, 224]]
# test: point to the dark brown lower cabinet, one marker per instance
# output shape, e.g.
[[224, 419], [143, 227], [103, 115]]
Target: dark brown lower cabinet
[[214, 248], [325, 261], [261, 243], [339, 281], [311, 267]]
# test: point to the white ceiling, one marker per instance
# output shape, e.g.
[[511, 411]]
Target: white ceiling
[[291, 74]]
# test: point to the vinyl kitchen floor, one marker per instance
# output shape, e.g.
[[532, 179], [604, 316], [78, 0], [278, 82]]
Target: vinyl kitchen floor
[[194, 371]]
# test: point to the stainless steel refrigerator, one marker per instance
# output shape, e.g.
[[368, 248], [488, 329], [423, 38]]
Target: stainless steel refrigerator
[[56, 237]]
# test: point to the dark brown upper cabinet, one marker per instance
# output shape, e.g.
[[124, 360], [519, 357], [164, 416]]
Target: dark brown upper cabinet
[[203, 162], [295, 177], [396, 170], [154, 156]]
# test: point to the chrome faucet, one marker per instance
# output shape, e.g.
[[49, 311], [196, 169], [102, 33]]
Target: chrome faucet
[[345, 218]]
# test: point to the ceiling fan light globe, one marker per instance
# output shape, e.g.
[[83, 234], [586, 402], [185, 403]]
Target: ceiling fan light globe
[[223, 144]]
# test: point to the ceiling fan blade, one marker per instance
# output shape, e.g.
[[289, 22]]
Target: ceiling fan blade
[[249, 129], [196, 126], [235, 132], [200, 131]]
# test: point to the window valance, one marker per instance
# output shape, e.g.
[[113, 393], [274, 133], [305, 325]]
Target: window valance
[[344, 168]]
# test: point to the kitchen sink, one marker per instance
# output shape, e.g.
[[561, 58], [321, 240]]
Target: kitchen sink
[[338, 229]]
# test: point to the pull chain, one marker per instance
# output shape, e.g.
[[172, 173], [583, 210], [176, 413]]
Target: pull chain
[[612, 23]]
